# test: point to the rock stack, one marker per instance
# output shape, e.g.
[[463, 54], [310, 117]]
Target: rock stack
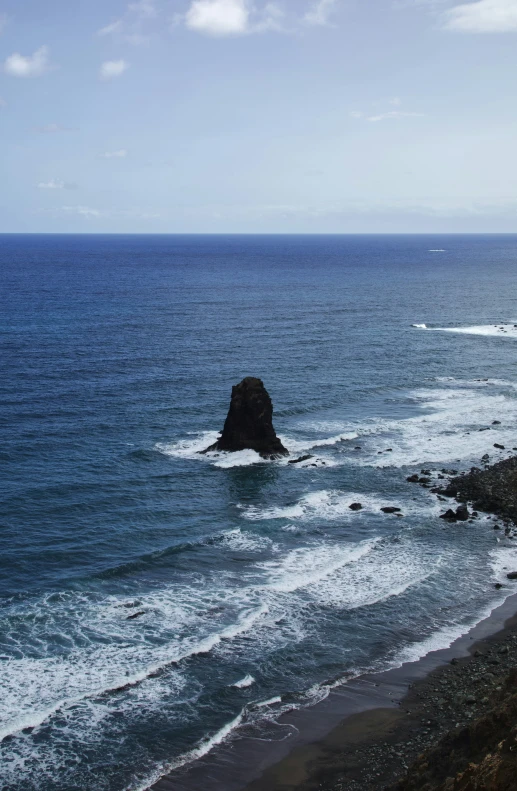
[[249, 424]]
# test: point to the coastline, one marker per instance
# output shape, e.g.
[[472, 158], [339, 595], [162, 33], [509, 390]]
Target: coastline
[[362, 736]]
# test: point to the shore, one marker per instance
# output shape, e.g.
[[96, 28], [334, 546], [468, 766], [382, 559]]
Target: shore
[[431, 737], [371, 730], [372, 750]]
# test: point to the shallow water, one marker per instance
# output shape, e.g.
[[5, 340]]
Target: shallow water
[[253, 585]]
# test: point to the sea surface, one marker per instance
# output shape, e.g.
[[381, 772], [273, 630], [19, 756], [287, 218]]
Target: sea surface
[[155, 602]]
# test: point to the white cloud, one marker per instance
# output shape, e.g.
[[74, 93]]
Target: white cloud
[[230, 17], [145, 9], [218, 17], [393, 114], [319, 13], [483, 16], [52, 129], [55, 184], [82, 211], [113, 27], [112, 68], [28, 66], [120, 154], [130, 25]]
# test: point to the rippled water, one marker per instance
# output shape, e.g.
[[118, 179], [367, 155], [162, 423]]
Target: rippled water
[[154, 601]]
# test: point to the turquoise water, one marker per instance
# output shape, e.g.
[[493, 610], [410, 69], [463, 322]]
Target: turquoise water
[[253, 585]]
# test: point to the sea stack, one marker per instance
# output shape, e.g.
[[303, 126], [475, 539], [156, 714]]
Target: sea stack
[[249, 424]]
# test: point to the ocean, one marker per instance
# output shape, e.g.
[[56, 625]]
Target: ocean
[[155, 602]]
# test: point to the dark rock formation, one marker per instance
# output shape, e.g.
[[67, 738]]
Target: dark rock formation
[[249, 424], [450, 514], [390, 509], [493, 490], [355, 507], [301, 458], [462, 513]]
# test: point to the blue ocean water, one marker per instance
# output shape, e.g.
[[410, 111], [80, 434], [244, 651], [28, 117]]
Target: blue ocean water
[[154, 601]]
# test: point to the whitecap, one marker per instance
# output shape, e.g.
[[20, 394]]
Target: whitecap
[[247, 681]]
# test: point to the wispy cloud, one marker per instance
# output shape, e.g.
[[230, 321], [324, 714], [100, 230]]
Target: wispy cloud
[[131, 25], [55, 184], [387, 114], [28, 65], [82, 211], [393, 114], [483, 16], [50, 129], [320, 12], [121, 153], [4, 19], [113, 27], [111, 69]]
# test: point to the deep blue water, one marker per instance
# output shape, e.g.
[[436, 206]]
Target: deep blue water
[[117, 357]]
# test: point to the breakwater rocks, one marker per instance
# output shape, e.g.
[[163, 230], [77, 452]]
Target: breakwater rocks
[[249, 424]]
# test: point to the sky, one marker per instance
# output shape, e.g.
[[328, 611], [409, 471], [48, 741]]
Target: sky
[[258, 116]]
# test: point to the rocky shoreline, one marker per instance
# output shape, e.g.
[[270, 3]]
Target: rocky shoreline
[[456, 729]]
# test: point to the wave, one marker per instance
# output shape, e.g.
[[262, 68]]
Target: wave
[[504, 330], [247, 681], [332, 504], [420, 326], [33, 687]]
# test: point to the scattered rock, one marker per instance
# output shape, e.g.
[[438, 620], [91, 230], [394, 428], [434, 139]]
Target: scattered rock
[[135, 615], [512, 575], [496, 422], [497, 445], [462, 513], [355, 507], [413, 478], [301, 458], [449, 514], [390, 509]]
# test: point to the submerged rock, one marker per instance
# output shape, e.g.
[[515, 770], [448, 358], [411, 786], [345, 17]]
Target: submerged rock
[[249, 424], [301, 458]]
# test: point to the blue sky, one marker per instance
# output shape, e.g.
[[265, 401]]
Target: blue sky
[[258, 116]]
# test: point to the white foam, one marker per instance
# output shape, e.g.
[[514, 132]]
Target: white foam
[[502, 560], [377, 576], [503, 330], [33, 689], [244, 541], [437, 250], [303, 567], [334, 504], [247, 681], [447, 431], [420, 326]]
